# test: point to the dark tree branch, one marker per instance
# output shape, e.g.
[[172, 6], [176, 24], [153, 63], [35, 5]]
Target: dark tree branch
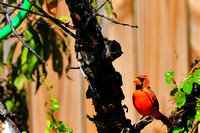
[[95, 55], [116, 22]]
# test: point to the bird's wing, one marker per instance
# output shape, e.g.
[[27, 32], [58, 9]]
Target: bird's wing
[[152, 97]]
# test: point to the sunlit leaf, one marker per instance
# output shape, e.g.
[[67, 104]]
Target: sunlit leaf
[[24, 56], [169, 76], [108, 9], [19, 81], [47, 131], [10, 54], [196, 76], [178, 129], [9, 105], [64, 18], [197, 116], [188, 85], [55, 106], [181, 99], [48, 122], [28, 35]]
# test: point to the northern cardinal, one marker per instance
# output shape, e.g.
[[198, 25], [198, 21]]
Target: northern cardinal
[[146, 102]]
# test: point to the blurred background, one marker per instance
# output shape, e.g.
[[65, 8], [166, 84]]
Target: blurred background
[[168, 39]]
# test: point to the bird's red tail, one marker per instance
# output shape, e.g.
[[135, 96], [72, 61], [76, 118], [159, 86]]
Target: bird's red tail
[[165, 120]]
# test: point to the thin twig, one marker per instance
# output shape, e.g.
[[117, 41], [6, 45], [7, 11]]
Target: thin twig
[[116, 22], [2, 12], [73, 67], [18, 36], [102, 5]]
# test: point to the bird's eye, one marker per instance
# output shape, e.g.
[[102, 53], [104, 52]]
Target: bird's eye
[[142, 80]]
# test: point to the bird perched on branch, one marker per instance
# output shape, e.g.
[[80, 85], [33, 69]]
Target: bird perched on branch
[[146, 102]]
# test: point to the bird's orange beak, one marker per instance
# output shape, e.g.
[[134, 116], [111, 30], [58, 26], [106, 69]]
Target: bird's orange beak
[[137, 81]]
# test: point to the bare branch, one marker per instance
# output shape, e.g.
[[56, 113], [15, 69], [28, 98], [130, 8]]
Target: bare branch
[[116, 22], [102, 5], [144, 121]]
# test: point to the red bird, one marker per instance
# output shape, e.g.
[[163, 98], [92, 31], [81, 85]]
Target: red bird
[[146, 102]]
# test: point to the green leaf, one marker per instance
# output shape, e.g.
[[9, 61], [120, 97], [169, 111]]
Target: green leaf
[[28, 35], [59, 122], [190, 120], [173, 92], [23, 57], [24, 132], [108, 8], [39, 3], [1, 57], [9, 105], [55, 106], [63, 128], [55, 125], [178, 129], [19, 81], [32, 62], [10, 54], [197, 116], [47, 131], [188, 85], [64, 18], [48, 122], [196, 76], [169, 76], [181, 99], [54, 99]]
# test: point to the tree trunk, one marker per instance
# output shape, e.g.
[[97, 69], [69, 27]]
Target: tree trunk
[[95, 55]]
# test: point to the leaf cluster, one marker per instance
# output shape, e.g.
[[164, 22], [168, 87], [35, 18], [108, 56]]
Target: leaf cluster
[[187, 99]]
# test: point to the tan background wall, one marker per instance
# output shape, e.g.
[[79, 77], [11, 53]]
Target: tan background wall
[[166, 28]]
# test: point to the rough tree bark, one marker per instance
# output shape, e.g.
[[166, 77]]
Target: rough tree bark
[[95, 55]]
